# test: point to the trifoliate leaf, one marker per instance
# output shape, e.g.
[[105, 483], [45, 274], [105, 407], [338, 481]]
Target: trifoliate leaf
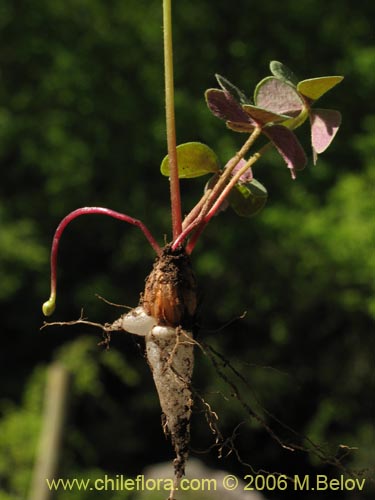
[[248, 199], [194, 159], [283, 73], [316, 87]]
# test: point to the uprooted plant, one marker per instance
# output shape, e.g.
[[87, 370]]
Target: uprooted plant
[[166, 313]]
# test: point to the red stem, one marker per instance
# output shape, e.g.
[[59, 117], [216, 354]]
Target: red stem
[[87, 211], [193, 240], [202, 222]]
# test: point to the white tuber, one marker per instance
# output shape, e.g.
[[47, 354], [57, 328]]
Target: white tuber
[[171, 359], [165, 317], [137, 321]]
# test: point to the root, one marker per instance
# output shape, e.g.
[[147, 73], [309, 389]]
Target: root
[[300, 443], [113, 304], [106, 329], [165, 317], [80, 321], [188, 341]]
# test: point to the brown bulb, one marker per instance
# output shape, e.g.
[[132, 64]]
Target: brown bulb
[[170, 294]]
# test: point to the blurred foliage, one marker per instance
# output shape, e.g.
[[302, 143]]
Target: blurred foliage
[[82, 123], [20, 425], [19, 428]]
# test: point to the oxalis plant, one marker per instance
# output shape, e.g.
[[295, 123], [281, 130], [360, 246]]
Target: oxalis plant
[[166, 313]]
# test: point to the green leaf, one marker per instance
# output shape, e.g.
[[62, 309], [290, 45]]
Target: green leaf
[[248, 199], [194, 159], [283, 73], [314, 88]]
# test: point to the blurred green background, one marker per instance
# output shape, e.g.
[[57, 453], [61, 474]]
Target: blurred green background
[[82, 123]]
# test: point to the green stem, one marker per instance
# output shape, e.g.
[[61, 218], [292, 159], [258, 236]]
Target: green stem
[[174, 181]]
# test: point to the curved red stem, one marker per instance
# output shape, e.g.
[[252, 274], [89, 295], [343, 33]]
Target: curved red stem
[[87, 211]]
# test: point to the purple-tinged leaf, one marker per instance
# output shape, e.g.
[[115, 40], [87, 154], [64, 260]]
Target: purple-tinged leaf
[[263, 116], [313, 88], [245, 177], [288, 146], [223, 105], [246, 128], [278, 96], [232, 89], [324, 126]]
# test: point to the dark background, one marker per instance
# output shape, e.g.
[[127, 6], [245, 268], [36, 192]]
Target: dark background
[[82, 123]]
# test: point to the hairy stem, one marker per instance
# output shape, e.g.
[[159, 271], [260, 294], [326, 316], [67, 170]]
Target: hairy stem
[[235, 178], [204, 220], [174, 181], [193, 214], [49, 306], [215, 192], [226, 176]]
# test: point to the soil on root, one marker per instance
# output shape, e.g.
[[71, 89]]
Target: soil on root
[[170, 294]]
